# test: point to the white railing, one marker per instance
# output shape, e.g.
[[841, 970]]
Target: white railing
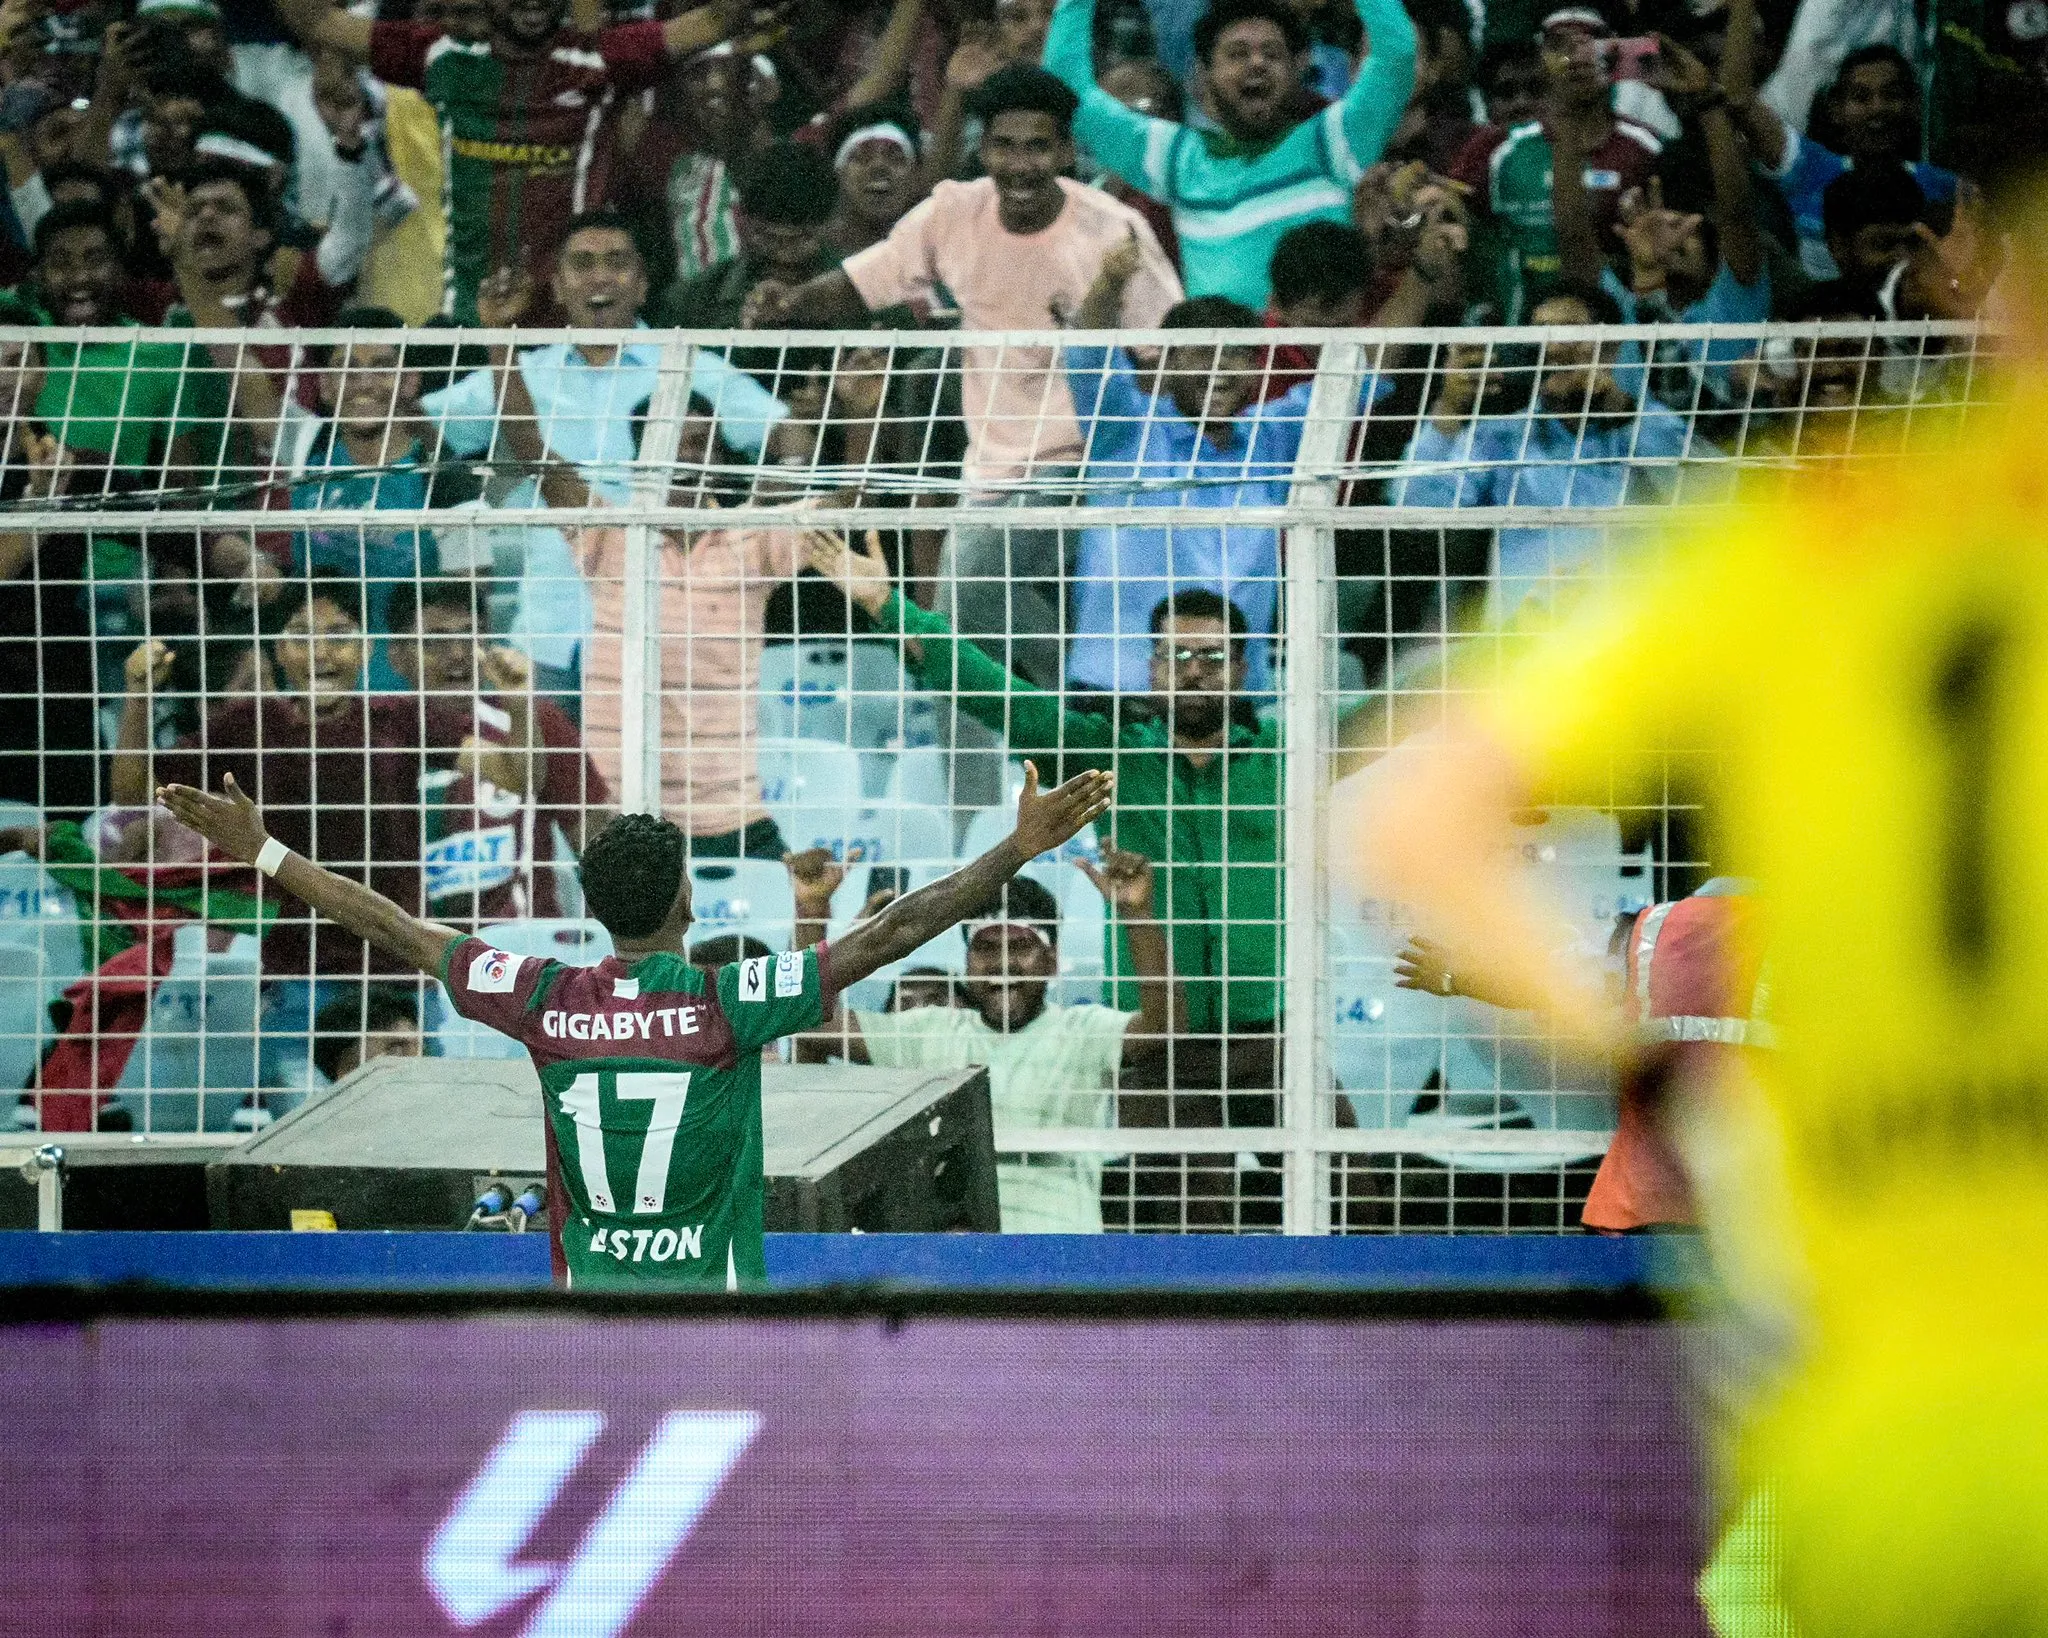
[[1449, 1099]]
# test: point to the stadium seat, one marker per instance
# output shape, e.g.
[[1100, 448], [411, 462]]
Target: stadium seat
[[920, 776], [14, 815], [903, 834], [1386, 1044], [24, 1014], [39, 912], [813, 790], [749, 896], [846, 693], [576, 943], [195, 1062]]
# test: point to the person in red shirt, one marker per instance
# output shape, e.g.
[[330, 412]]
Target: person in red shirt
[[338, 769], [521, 112], [489, 851], [1508, 168]]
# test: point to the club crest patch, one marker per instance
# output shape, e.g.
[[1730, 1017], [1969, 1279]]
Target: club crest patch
[[494, 972]]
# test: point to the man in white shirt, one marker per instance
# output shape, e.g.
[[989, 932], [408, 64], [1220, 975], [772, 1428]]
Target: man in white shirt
[[1048, 1065]]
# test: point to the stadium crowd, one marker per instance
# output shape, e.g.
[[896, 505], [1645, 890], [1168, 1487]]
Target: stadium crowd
[[442, 706]]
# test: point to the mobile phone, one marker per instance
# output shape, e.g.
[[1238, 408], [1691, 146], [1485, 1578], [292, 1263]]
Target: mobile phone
[[1633, 57]]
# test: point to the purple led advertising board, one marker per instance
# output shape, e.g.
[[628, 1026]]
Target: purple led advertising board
[[521, 1473]]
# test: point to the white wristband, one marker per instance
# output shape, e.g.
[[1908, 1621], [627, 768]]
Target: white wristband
[[271, 855]]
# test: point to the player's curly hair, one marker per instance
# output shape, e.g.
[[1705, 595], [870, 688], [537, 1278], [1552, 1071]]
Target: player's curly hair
[[631, 873]]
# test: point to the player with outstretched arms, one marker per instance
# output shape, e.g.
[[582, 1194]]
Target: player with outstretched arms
[[1858, 672], [650, 1069]]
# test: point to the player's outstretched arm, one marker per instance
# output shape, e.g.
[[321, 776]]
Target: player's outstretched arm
[[1043, 821], [231, 822], [1437, 835]]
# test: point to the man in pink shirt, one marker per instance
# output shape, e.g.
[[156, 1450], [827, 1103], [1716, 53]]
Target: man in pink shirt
[[1018, 250], [715, 586]]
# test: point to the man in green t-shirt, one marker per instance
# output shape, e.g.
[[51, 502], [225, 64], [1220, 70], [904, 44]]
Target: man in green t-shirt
[[1199, 785], [117, 399], [1199, 779], [650, 1068]]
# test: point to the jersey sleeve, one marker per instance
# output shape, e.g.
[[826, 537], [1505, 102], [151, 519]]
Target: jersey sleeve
[[493, 986], [767, 997], [1806, 168], [1358, 126]]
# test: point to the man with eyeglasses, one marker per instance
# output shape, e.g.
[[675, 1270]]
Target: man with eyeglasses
[[1199, 779]]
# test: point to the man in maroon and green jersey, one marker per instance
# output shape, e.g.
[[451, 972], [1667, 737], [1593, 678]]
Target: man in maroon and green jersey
[[650, 1069], [520, 112]]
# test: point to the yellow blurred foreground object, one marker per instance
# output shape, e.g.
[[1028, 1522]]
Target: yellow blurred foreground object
[[1854, 679]]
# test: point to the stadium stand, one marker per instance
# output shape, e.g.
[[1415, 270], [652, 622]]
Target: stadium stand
[[1322, 455]]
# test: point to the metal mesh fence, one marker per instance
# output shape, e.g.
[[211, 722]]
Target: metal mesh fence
[[445, 601]]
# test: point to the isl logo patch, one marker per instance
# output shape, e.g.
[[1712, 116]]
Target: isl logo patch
[[493, 972]]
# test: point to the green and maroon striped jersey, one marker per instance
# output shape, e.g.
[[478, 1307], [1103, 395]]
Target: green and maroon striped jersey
[[650, 1072], [519, 135]]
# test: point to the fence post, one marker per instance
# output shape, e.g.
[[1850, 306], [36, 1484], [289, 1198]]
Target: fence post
[[1311, 566], [640, 642]]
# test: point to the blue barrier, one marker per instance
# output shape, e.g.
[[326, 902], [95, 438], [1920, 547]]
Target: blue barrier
[[429, 1261]]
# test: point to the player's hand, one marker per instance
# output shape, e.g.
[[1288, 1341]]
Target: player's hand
[[230, 821], [503, 299], [862, 576], [814, 876], [1048, 820], [1423, 965], [1124, 880], [148, 666]]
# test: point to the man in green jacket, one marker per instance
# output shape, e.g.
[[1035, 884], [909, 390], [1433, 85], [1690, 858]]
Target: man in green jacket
[[1198, 792]]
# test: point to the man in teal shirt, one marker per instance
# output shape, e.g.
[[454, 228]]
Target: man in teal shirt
[[1198, 783], [1236, 190]]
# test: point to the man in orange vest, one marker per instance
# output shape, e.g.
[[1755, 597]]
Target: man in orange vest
[[1692, 989]]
